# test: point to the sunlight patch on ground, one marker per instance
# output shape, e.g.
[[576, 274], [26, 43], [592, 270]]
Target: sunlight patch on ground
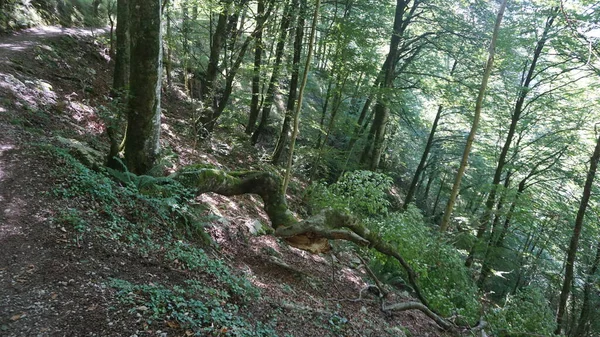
[[15, 47], [12, 210], [268, 241], [351, 276], [4, 148]]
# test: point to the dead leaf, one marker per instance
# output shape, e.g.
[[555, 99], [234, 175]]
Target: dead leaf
[[53, 296], [17, 316], [173, 324], [189, 333]]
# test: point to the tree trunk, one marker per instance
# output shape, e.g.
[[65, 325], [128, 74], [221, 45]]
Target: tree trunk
[[120, 79], [143, 114], [586, 310], [168, 62], [279, 50], [471, 137], [516, 117], [311, 44], [293, 93], [235, 66], [372, 152], [572, 252], [121, 72], [256, 78], [208, 89]]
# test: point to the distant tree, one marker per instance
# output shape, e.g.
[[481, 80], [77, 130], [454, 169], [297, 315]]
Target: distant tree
[[121, 72], [143, 113], [572, 251], [478, 106]]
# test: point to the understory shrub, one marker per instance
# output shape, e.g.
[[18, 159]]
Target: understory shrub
[[526, 312], [442, 276], [363, 193]]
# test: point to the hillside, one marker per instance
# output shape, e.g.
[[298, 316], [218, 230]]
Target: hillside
[[87, 254]]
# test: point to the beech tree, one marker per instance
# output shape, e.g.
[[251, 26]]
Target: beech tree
[[142, 142]]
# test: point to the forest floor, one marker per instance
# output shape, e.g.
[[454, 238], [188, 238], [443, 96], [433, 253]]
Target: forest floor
[[78, 257]]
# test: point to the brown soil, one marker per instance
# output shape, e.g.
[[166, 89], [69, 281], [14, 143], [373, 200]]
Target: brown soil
[[54, 281]]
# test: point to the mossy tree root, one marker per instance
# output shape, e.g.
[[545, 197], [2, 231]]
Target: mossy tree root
[[310, 234]]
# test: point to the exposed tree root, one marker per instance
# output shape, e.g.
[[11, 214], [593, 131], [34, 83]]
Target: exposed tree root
[[443, 323], [310, 234]]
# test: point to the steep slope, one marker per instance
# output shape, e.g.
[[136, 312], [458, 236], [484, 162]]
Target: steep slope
[[82, 254]]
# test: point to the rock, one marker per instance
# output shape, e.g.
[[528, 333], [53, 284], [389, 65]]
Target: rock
[[89, 157], [254, 227], [396, 331]]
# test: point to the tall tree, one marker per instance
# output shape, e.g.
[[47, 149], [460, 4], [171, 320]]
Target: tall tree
[[515, 118], [273, 82], [405, 9], [256, 75], [572, 252], [120, 77], [285, 134], [142, 144], [121, 72], [477, 116], [311, 41]]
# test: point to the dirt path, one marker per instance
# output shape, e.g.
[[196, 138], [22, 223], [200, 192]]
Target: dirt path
[[18, 43], [48, 287], [52, 284]]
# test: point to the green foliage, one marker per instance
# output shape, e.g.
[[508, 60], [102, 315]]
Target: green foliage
[[442, 276], [525, 312], [194, 258], [364, 193], [206, 311]]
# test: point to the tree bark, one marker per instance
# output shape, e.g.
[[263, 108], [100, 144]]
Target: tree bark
[[279, 50], [256, 72], [208, 89], [586, 310], [372, 152], [285, 134], [471, 137], [121, 71], [572, 252], [516, 117], [295, 130], [120, 79], [143, 114]]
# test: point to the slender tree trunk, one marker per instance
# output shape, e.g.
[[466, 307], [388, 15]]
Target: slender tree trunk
[[572, 252], [168, 48], [291, 102], [208, 89], [120, 79], [311, 42], [493, 243], [413, 184], [586, 310], [420, 168], [324, 112], [373, 150], [121, 72], [516, 117], [337, 101], [279, 50], [235, 66], [143, 116], [256, 78], [471, 137]]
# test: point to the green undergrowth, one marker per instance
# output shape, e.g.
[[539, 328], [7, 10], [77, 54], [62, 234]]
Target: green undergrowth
[[157, 217], [442, 277]]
